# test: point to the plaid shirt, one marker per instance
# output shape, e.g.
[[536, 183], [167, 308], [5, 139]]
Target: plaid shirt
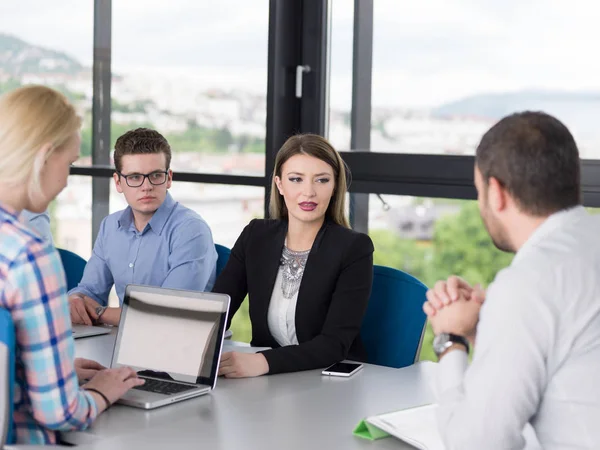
[[47, 397]]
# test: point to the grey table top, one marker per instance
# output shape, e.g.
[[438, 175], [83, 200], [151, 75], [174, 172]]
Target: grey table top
[[290, 411]]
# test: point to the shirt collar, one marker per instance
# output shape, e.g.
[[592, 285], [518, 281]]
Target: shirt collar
[[9, 212], [126, 218], [552, 223], [158, 220]]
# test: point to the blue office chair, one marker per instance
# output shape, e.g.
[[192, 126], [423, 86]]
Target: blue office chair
[[223, 256], [394, 324], [73, 265], [7, 377]]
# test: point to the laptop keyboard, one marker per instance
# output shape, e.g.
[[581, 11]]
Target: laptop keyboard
[[163, 387]]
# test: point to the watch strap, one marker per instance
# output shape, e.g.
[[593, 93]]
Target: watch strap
[[456, 339], [100, 310], [443, 341]]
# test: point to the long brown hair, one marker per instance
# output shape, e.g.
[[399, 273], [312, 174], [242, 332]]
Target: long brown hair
[[318, 147]]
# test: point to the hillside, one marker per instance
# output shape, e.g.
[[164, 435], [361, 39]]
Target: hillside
[[18, 57], [578, 109]]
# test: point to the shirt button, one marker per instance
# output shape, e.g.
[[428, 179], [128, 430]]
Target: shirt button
[[130, 265]]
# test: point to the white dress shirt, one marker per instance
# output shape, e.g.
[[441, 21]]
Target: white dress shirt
[[281, 317], [537, 355]]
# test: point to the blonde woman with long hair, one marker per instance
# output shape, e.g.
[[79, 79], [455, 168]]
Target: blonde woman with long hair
[[307, 274], [39, 140]]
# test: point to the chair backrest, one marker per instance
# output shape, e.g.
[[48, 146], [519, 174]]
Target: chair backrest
[[394, 324], [7, 377], [73, 265], [223, 256]]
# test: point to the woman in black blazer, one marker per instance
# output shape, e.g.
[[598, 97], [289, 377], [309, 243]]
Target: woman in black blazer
[[307, 274]]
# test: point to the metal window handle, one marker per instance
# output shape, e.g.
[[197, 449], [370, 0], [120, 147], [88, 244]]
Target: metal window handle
[[384, 205], [300, 70]]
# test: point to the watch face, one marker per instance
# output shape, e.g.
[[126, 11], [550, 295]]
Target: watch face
[[440, 342]]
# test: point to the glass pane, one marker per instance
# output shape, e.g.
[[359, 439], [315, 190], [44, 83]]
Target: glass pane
[[340, 84], [444, 72], [71, 216], [196, 72], [50, 43], [432, 239]]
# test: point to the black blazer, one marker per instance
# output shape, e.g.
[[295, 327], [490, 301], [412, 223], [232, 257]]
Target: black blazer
[[332, 298]]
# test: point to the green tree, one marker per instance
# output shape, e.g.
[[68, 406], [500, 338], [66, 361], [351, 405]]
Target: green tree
[[200, 139], [407, 255], [240, 325], [462, 246], [86, 140], [119, 129]]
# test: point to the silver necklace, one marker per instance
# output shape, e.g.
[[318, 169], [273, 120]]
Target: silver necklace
[[292, 268]]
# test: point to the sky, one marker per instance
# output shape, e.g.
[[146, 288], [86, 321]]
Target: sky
[[425, 52]]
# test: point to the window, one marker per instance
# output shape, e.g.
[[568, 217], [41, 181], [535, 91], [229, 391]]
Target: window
[[71, 217], [196, 72], [443, 72], [340, 83], [432, 239], [50, 44]]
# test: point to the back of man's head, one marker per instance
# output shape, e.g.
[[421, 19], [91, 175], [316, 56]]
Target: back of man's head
[[534, 156], [141, 141]]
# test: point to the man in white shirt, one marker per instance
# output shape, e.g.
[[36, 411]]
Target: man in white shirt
[[537, 334]]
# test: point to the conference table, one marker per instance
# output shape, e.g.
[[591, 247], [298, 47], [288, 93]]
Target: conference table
[[303, 410]]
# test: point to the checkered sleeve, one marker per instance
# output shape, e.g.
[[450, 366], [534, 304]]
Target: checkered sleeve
[[36, 286]]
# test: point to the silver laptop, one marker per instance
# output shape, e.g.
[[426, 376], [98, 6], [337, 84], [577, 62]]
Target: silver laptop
[[172, 339], [81, 331]]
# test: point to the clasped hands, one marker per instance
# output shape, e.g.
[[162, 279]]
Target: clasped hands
[[453, 306]]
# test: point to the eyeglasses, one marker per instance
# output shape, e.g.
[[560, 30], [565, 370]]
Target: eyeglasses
[[137, 179]]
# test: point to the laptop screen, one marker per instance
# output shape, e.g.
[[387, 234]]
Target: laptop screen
[[171, 334]]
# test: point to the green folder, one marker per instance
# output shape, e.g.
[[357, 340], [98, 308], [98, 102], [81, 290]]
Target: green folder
[[367, 431]]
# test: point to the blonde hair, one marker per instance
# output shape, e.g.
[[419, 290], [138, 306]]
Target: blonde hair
[[31, 117], [320, 148]]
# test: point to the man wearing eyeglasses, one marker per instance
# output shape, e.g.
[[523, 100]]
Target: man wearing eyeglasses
[[155, 241]]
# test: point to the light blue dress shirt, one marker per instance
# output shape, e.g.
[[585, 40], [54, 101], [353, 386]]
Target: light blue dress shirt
[[40, 223], [175, 250]]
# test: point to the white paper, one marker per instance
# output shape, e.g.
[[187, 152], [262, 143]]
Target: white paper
[[416, 426]]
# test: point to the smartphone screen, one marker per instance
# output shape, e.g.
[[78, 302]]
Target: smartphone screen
[[343, 368]]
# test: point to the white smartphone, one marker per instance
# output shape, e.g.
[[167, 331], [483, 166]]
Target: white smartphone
[[342, 369]]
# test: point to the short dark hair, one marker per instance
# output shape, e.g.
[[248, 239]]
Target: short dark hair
[[141, 141], [534, 156]]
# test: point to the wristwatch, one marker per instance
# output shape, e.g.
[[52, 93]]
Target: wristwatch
[[99, 311], [443, 341]]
